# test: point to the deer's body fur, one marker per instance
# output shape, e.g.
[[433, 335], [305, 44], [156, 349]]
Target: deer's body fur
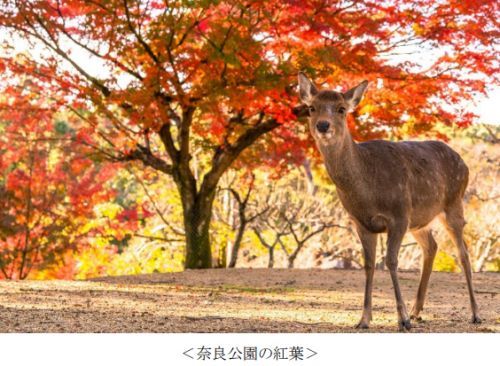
[[391, 187], [377, 180]]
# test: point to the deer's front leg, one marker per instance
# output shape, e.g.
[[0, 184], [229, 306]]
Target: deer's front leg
[[394, 237], [369, 242]]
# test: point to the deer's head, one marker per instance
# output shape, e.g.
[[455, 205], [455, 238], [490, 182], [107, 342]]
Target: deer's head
[[328, 110]]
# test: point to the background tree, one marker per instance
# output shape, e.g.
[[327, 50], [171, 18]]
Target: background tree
[[173, 88], [270, 244], [482, 233], [245, 211], [48, 188], [305, 216]]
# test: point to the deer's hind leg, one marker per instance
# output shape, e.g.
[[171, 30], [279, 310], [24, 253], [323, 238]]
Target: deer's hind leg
[[454, 223], [429, 248], [395, 235]]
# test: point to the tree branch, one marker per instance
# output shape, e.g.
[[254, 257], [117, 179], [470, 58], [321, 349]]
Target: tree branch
[[224, 157], [137, 35], [143, 154], [168, 142]]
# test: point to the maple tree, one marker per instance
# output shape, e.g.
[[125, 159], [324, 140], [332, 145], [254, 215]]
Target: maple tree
[[186, 87], [56, 196], [48, 188]]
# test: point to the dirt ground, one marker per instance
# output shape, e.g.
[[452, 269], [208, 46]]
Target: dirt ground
[[241, 300]]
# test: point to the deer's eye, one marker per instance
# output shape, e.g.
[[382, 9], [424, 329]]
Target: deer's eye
[[312, 109], [341, 110]]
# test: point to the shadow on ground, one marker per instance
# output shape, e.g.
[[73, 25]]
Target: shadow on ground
[[240, 300]]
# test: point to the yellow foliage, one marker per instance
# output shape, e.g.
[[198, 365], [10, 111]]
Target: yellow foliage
[[108, 209], [494, 266], [53, 159], [92, 262], [418, 29], [444, 263]]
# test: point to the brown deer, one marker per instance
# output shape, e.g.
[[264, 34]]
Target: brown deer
[[390, 187]]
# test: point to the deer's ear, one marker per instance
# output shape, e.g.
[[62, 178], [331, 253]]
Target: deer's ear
[[307, 90], [353, 96]]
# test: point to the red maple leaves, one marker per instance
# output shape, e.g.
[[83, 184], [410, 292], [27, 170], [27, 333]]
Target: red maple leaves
[[165, 81]]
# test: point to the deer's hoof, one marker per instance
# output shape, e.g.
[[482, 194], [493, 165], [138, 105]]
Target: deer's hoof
[[362, 325], [404, 325], [417, 318], [476, 319]]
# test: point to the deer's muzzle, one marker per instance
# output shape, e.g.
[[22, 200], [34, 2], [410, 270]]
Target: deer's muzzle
[[323, 126]]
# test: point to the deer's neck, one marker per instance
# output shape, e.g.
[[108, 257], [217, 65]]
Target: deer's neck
[[343, 162]]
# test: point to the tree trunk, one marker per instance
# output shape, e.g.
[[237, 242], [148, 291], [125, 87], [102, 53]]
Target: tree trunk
[[197, 199], [236, 245], [198, 250], [291, 261], [270, 264], [197, 218]]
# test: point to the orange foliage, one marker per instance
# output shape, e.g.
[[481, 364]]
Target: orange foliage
[[218, 78]]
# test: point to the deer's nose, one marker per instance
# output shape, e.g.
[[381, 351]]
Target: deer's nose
[[323, 126]]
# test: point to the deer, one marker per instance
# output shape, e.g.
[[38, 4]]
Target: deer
[[390, 187]]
